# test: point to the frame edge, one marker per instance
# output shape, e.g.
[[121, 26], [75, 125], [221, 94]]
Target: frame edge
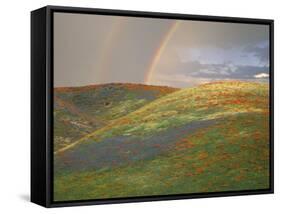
[[48, 90], [38, 107]]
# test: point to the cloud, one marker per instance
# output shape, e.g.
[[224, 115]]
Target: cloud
[[254, 54], [221, 71], [261, 52], [261, 75]]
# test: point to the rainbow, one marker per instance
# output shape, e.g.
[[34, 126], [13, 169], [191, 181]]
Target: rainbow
[[108, 44], [159, 51]]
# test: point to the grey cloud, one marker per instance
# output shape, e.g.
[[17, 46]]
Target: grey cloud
[[262, 53], [222, 71]]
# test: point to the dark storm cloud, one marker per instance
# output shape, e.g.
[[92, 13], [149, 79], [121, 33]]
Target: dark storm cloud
[[262, 53], [223, 71]]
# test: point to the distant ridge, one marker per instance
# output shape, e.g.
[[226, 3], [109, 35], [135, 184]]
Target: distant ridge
[[127, 85]]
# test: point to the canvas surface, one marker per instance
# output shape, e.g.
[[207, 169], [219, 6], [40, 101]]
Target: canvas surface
[[158, 107]]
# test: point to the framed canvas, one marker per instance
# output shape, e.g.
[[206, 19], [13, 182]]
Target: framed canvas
[[141, 106]]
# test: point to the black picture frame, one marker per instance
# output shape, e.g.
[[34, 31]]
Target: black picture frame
[[42, 104]]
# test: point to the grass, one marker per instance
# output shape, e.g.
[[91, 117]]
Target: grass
[[228, 154], [81, 110]]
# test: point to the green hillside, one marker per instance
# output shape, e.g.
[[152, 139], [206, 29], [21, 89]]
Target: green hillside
[[213, 137], [80, 110]]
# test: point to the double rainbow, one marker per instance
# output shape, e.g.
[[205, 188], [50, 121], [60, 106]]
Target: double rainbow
[[159, 51], [109, 42]]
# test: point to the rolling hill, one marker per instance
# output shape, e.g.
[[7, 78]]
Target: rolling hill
[[81, 110], [213, 137]]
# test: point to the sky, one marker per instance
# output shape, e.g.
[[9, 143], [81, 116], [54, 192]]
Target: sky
[[97, 49]]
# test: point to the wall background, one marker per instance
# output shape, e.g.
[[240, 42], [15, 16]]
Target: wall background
[[15, 105]]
